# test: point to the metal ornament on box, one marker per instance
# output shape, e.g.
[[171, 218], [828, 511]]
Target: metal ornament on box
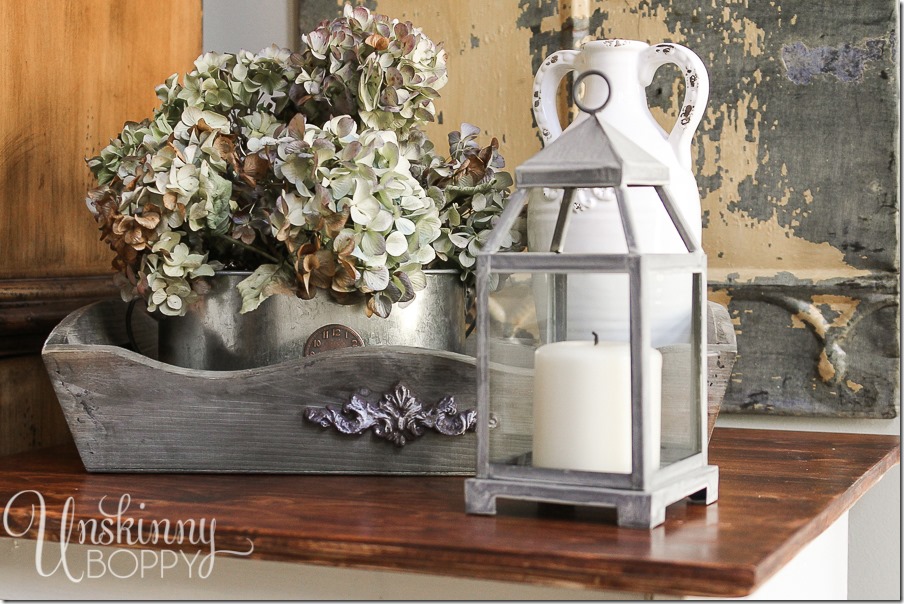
[[593, 154]]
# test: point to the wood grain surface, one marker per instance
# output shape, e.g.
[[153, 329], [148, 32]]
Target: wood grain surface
[[31, 308], [778, 491], [74, 71], [129, 412]]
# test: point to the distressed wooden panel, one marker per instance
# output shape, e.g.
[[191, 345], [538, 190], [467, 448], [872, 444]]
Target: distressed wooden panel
[[128, 412], [796, 160], [74, 71], [827, 349]]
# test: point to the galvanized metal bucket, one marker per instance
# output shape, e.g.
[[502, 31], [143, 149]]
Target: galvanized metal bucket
[[213, 335]]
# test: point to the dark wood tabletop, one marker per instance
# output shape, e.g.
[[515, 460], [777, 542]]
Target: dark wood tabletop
[[778, 491]]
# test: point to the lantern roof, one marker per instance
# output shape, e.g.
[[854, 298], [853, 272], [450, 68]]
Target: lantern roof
[[592, 153]]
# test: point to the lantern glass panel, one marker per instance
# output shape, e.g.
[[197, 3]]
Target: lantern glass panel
[[514, 336], [572, 408], [568, 406], [681, 413]]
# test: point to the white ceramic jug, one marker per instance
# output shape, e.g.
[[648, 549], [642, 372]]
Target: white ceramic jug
[[600, 302]]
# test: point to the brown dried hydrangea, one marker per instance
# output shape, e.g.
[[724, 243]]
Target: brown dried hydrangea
[[311, 170]]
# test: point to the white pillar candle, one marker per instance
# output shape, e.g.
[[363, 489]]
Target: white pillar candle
[[582, 406]]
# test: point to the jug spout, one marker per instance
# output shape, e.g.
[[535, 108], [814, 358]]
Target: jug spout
[[618, 60]]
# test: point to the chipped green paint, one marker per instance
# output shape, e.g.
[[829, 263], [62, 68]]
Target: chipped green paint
[[543, 42], [797, 166], [816, 350]]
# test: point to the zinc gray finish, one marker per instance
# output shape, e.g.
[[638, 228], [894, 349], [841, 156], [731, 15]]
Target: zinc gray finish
[[627, 223], [645, 504], [591, 154], [214, 335], [483, 347], [513, 208], [594, 154], [699, 360], [557, 310], [641, 405], [677, 218], [635, 509], [558, 237], [546, 262]]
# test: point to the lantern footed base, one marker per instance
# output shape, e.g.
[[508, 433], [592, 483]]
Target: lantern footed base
[[634, 508]]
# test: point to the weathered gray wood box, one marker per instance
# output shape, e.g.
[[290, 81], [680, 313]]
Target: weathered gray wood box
[[131, 413]]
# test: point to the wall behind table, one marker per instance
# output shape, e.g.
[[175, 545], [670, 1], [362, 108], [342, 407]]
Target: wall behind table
[[73, 73]]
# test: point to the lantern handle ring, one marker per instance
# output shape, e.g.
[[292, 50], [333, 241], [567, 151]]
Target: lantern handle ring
[[577, 82]]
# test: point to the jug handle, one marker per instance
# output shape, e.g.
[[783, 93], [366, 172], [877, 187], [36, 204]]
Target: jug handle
[[546, 83], [696, 92]]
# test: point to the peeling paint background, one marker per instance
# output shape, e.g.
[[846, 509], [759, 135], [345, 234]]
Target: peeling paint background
[[796, 161]]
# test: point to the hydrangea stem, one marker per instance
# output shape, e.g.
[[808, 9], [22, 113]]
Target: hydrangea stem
[[248, 247]]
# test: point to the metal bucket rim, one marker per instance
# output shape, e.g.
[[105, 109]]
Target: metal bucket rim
[[214, 335], [427, 271]]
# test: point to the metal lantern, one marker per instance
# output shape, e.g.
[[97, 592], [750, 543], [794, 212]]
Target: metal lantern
[[663, 462]]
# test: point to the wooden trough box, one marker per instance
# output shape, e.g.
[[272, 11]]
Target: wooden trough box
[[370, 410]]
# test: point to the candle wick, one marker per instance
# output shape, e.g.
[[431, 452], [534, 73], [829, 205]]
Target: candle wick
[[596, 338]]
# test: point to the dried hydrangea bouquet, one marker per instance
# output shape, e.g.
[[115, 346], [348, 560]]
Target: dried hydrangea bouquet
[[312, 170]]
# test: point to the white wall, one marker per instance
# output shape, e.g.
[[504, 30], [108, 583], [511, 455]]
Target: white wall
[[233, 25]]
